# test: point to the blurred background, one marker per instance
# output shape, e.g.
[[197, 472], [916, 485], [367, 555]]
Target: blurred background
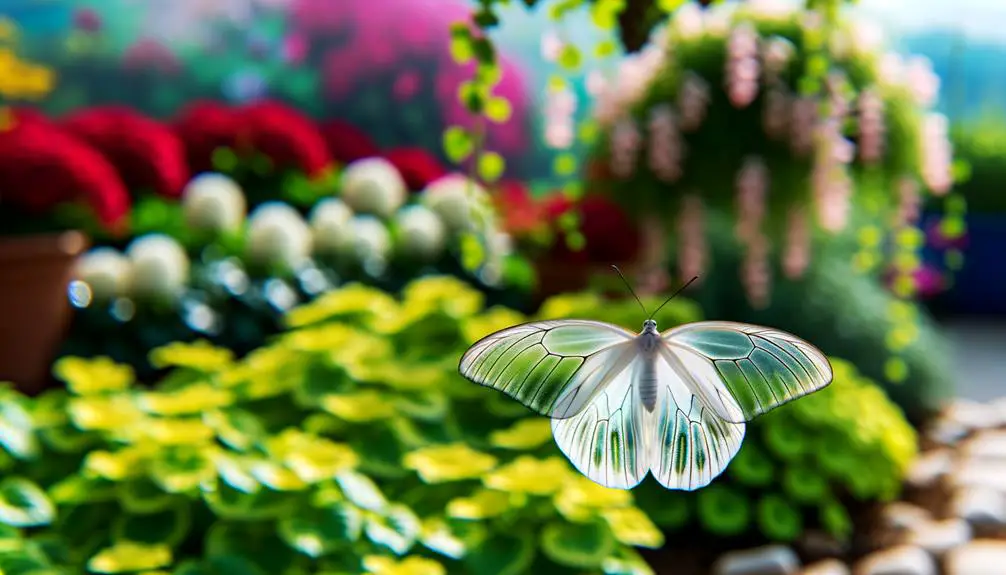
[[243, 244]]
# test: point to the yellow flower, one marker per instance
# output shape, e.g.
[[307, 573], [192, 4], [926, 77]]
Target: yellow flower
[[312, 458], [354, 299], [93, 376], [530, 475], [525, 434], [105, 413], [176, 431], [117, 465], [377, 565], [194, 399], [454, 462], [448, 294]]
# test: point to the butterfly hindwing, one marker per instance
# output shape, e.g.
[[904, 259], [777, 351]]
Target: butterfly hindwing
[[606, 441], [688, 444], [540, 362], [740, 370]]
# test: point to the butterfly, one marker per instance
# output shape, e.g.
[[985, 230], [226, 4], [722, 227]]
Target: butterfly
[[671, 404]]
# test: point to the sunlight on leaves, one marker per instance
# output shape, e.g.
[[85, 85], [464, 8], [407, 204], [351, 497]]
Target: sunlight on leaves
[[444, 463]]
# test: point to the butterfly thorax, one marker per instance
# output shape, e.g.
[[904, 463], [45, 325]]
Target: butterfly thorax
[[648, 342]]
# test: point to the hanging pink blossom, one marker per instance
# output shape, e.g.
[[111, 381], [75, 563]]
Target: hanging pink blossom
[[796, 256], [628, 87], [692, 249], [625, 144], [777, 53], [551, 46], [560, 113], [693, 101], [804, 117], [755, 274], [937, 154], [665, 145], [871, 126], [595, 83], [742, 67], [775, 113], [559, 136], [837, 100], [922, 81], [752, 187], [909, 202], [892, 69]]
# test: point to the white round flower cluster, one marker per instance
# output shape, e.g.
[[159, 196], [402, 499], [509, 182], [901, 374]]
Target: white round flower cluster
[[153, 267], [373, 186], [214, 203]]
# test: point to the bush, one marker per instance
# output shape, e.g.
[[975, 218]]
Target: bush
[[349, 442], [983, 147], [804, 464]]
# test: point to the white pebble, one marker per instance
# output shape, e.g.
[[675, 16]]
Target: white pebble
[[769, 560], [980, 506], [930, 467], [938, 537], [827, 567], [901, 560], [982, 557]]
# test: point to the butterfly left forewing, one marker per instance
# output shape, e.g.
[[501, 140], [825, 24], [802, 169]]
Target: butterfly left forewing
[[688, 444], [741, 370], [538, 363]]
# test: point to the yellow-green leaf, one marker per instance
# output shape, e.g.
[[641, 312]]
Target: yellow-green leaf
[[454, 462], [378, 565], [565, 164], [458, 144], [570, 57], [525, 434], [491, 166], [359, 407], [498, 110], [630, 526], [93, 376], [530, 475], [199, 355], [483, 504], [24, 504], [127, 557]]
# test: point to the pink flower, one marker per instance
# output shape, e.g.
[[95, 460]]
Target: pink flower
[[692, 248], [407, 85], [635, 73], [871, 126], [922, 81], [775, 113], [742, 67], [909, 202], [937, 154], [752, 187], [295, 48], [551, 46], [559, 136], [625, 143], [755, 274], [776, 55], [804, 117], [796, 256], [693, 101], [665, 145]]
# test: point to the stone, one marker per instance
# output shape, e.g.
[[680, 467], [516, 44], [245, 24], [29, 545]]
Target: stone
[[980, 506], [989, 444], [979, 473], [930, 467], [973, 415], [938, 537], [980, 557], [900, 515], [827, 567], [900, 560], [817, 544], [948, 433], [768, 560]]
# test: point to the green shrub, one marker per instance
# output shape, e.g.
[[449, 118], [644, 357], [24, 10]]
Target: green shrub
[[983, 147], [348, 444], [800, 465]]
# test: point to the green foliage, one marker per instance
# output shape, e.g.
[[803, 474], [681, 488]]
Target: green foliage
[[348, 444], [800, 465], [982, 146]]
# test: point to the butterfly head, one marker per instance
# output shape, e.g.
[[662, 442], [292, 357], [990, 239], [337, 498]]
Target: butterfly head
[[650, 326]]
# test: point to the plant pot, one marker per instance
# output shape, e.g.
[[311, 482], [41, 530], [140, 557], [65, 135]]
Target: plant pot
[[35, 312], [980, 285]]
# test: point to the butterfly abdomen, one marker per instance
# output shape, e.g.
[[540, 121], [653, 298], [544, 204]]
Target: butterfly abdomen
[[648, 383]]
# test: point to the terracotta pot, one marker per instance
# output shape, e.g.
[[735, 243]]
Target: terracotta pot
[[35, 312]]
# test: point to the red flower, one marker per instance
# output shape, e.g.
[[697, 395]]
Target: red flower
[[203, 126], [610, 235], [520, 212], [146, 153], [347, 143], [289, 138], [417, 166], [43, 166]]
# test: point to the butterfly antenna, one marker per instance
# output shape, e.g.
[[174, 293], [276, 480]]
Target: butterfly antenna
[[666, 301], [628, 285]]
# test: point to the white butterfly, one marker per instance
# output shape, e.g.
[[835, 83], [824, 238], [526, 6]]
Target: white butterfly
[[673, 404]]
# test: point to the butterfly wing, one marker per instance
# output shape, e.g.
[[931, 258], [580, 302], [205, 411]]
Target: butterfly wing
[[553, 367], [688, 445], [740, 370], [606, 441]]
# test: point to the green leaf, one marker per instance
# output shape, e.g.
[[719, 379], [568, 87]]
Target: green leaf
[[141, 495], [491, 166], [583, 546], [398, 529], [256, 543], [670, 6], [219, 565], [24, 504], [321, 531], [458, 144], [498, 110], [362, 491], [17, 433], [128, 557], [224, 160], [565, 164], [461, 47], [168, 527], [570, 57], [502, 554], [605, 48]]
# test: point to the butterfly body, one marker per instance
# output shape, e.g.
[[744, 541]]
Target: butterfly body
[[625, 405]]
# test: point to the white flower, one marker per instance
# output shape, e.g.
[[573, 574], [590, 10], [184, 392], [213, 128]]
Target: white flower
[[329, 223], [277, 235], [688, 22], [422, 234], [106, 271], [213, 202], [551, 46], [160, 267], [373, 186], [458, 201], [368, 241]]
